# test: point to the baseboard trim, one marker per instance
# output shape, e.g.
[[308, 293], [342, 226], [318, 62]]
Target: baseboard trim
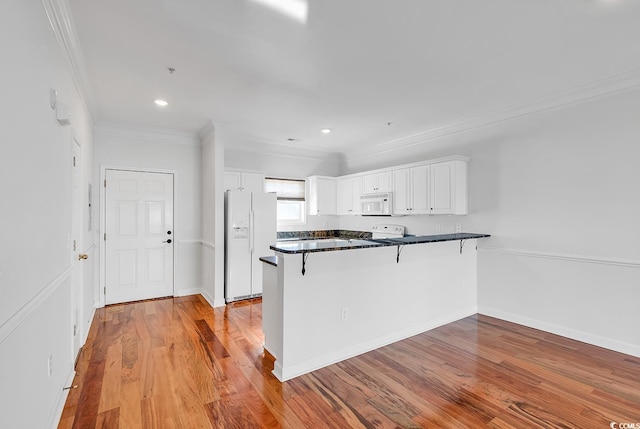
[[187, 292], [284, 374], [19, 317], [585, 337], [561, 256], [54, 422], [212, 302]]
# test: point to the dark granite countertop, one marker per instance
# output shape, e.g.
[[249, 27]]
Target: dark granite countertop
[[271, 260], [334, 244]]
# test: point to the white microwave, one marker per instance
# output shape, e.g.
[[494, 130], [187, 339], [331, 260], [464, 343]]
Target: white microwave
[[376, 204]]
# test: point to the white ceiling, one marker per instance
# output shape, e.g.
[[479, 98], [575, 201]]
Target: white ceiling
[[354, 66]]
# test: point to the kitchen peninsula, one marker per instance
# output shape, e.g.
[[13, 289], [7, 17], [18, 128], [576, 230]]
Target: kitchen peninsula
[[328, 300]]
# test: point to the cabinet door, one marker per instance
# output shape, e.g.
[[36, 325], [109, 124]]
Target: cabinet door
[[385, 181], [345, 196], [356, 193], [402, 191], [236, 180], [322, 195], [420, 190], [232, 180], [369, 183], [253, 182], [326, 196], [442, 188], [377, 182]]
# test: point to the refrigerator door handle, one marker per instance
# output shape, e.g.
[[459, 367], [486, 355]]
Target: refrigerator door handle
[[251, 231]]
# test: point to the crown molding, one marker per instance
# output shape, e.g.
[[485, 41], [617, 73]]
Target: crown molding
[[284, 151], [158, 135], [64, 30], [207, 133], [608, 85]]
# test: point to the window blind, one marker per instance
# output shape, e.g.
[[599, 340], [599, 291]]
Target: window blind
[[286, 189]]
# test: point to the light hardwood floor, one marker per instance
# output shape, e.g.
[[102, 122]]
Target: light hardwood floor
[[178, 363]]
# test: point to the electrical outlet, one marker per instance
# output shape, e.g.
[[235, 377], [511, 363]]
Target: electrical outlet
[[458, 228], [345, 314], [50, 365]]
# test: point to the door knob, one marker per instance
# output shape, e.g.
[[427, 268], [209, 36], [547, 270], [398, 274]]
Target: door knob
[[82, 256], [167, 241]]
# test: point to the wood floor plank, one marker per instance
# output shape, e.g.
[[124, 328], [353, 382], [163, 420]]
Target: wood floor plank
[[130, 406], [110, 393], [178, 363]]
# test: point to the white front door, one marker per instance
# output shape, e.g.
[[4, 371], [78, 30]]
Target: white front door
[[139, 235]]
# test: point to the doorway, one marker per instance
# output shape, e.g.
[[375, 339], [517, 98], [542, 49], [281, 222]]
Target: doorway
[[139, 235], [77, 257]]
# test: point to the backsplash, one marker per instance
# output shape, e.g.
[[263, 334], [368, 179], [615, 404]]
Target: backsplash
[[328, 233]]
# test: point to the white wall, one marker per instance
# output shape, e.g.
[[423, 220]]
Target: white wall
[[181, 154], [35, 190], [212, 217], [363, 299], [558, 192]]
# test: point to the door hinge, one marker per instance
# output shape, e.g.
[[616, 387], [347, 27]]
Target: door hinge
[[75, 245], [105, 237], [105, 183], [105, 291], [74, 161], [75, 330]]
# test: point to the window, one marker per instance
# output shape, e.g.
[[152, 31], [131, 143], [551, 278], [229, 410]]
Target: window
[[291, 205]]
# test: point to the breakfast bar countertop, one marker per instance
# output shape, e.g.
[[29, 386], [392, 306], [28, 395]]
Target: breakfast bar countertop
[[335, 244]]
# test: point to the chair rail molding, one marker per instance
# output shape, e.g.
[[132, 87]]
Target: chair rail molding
[[9, 326], [561, 256]]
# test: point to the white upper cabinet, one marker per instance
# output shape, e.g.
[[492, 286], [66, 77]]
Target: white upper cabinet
[[402, 191], [448, 189], [420, 178], [322, 195], [438, 188], [236, 180], [377, 182], [411, 191], [349, 192]]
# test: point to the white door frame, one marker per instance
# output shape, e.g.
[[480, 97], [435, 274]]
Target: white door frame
[[103, 217], [77, 233]]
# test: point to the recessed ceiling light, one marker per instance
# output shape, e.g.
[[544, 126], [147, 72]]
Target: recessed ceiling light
[[160, 102], [326, 130], [295, 9]]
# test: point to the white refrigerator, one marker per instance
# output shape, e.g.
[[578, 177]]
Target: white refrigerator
[[250, 228]]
